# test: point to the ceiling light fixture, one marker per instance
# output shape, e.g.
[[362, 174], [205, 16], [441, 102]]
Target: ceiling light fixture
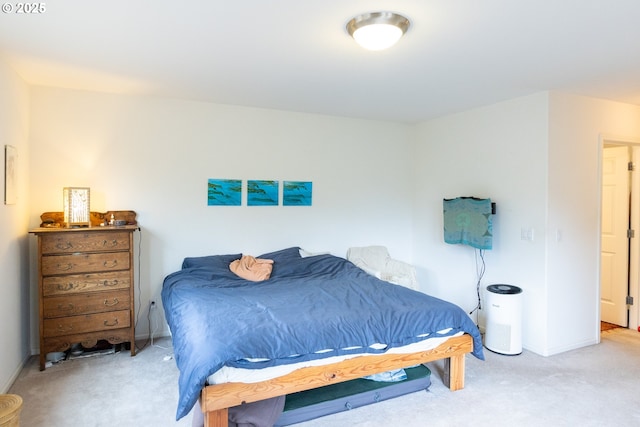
[[377, 30]]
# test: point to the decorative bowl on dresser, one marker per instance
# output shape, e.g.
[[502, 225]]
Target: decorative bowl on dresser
[[85, 283]]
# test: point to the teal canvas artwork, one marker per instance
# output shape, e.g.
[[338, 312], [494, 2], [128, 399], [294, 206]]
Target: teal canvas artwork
[[262, 193], [297, 193], [224, 192], [468, 221]]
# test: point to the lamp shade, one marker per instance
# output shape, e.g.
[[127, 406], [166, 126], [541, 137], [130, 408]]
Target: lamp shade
[[75, 202], [377, 30]]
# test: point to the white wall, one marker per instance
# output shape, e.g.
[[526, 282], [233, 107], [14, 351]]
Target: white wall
[[537, 157], [500, 152], [14, 300], [155, 155], [374, 183], [576, 125]]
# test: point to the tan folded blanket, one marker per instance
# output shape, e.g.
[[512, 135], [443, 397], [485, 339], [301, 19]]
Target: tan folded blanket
[[251, 268]]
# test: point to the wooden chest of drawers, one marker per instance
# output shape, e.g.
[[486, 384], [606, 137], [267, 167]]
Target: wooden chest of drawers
[[86, 287]]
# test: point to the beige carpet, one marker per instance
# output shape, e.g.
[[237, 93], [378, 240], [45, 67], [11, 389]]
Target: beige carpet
[[593, 386]]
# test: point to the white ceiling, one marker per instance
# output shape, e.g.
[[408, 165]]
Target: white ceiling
[[296, 54]]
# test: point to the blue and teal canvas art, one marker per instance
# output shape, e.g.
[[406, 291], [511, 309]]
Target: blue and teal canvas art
[[297, 193], [262, 193], [224, 192]]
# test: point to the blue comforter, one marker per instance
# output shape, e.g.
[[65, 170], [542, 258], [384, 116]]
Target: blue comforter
[[308, 305]]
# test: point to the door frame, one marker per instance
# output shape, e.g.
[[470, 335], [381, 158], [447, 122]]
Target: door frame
[[634, 246]]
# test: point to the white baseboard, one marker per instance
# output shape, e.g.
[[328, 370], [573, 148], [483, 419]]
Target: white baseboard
[[14, 376]]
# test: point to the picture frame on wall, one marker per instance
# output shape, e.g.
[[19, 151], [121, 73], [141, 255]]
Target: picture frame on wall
[[224, 192], [10, 175], [297, 193], [262, 192]]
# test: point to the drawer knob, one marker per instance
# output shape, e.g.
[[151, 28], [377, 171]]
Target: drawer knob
[[114, 323], [112, 243], [110, 283], [65, 267], [111, 264], [111, 303], [68, 327], [66, 287]]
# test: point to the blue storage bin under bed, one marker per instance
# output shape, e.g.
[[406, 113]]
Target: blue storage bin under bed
[[330, 399]]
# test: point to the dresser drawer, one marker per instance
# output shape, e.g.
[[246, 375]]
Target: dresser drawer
[[87, 323], [92, 282], [84, 263], [101, 241], [85, 304]]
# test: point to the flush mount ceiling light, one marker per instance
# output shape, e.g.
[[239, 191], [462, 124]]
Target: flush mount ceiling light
[[377, 30]]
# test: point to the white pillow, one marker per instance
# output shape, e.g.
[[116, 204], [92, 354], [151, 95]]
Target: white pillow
[[305, 254]]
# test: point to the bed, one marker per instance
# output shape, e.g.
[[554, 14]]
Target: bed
[[319, 312]]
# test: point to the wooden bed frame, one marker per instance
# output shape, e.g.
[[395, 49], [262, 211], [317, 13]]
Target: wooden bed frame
[[216, 399]]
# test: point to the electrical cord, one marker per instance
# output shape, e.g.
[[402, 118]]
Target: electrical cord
[[139, 269], [480, 270], [149, 337], [152, 330], [151, 308]]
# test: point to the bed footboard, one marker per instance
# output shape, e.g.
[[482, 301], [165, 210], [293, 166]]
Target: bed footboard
[[215, 399], [217, 418]]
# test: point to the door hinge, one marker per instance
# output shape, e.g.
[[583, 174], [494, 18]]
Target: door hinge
[[630, 167], [631, 234], [629, 300]]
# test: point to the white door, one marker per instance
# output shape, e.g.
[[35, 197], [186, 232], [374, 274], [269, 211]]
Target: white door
[[614, 265]]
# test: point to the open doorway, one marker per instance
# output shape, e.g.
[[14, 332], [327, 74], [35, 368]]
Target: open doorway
[[620, 233]]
